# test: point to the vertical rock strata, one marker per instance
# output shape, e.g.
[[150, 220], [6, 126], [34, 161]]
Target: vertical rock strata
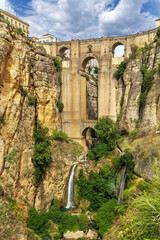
[[130, 114], [25, 72]]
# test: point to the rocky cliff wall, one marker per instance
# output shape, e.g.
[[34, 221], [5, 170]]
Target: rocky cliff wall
[[131, 114], [28, 74]]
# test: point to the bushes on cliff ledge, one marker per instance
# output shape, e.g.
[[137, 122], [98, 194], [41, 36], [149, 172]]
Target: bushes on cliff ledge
[[42, 154], [120, 71], [148, 76], [107, 132]]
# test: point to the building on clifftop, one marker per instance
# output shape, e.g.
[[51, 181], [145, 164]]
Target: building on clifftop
[[46, 38], [16, 22]]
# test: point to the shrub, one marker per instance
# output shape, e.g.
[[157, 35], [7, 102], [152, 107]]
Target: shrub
[[133, 133], [120, 71], [159, 69], [19, 30], [158, 32], [105, 215], [42, 154], [10, 157], [144, 223], [24, 92], [61, 136], [2, 121], [31, 101], [148, 76], [98, 188], [122, 101], [107, 132], [125, 160], [87, 77], [7, 21], [57, 64], [99, 150], [60, 106], [96, 70]]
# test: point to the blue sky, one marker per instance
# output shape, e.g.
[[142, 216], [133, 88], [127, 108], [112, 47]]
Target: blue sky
[[77, 19]]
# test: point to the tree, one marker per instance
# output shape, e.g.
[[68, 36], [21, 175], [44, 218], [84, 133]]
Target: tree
[[107, 132]]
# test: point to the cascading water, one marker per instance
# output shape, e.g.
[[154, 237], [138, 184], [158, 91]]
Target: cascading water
[[122, 187], [70, 198]]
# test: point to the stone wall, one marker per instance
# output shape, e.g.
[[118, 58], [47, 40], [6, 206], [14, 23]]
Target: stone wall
[[91, 99]]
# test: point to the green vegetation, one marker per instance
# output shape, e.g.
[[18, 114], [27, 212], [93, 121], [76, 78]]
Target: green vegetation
[[61, 136], [96, 70], [60, 106], [24, 92], [2, 121], [31, 101], [158, 33], [89, 69], [147, 47], [107, 132], [148, 76], [98, 188], [133, 133], [159, 69], [19, 30], [7, 21], [57, 64], [122, 101], [105, 215], [10, 157], [141, 220], [40, 222], [99, 150], [42, 154], [125, 160], [120, 71], [87, 77]]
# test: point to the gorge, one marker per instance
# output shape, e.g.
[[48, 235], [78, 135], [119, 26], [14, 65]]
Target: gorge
[[31, 86]]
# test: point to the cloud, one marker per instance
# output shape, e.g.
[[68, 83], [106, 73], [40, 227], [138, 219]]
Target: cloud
[[68, 19], [6, 5], [72, 18], [125, 18]]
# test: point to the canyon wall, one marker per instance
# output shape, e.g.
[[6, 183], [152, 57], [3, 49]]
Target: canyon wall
[[29, 91]]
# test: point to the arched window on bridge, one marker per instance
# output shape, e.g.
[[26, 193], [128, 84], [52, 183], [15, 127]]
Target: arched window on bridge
[[89, 135], [89, 90], [64, 53], [118, 50]]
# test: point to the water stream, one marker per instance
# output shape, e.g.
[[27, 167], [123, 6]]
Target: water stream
[[122, 187], [70, 198]]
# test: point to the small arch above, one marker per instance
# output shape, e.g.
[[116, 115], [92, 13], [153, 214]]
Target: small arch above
[[90, 136], [118, 50], [64, 52]]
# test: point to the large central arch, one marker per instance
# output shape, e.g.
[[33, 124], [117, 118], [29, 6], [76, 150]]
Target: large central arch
[[89, 88]]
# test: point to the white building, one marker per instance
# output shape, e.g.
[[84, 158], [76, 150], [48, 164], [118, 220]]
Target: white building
[[47, 38]]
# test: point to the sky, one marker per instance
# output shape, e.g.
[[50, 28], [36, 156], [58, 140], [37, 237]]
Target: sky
[[82, 19]]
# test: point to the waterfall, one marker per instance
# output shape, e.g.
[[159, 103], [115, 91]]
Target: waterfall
[[70, 198], [122, 187]]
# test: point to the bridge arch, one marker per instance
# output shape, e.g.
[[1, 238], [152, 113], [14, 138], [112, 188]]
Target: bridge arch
[[64, 52], [85, 60], [118, 49], [89, 88], [89, 136]]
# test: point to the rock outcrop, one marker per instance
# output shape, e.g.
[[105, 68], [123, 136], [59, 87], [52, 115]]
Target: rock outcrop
[[131, 116], [29, 91]]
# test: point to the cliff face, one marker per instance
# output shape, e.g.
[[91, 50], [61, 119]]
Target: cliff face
[[131, 115], [26, 74]]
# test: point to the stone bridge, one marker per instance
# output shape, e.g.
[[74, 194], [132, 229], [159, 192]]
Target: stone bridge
[[73, 96]]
